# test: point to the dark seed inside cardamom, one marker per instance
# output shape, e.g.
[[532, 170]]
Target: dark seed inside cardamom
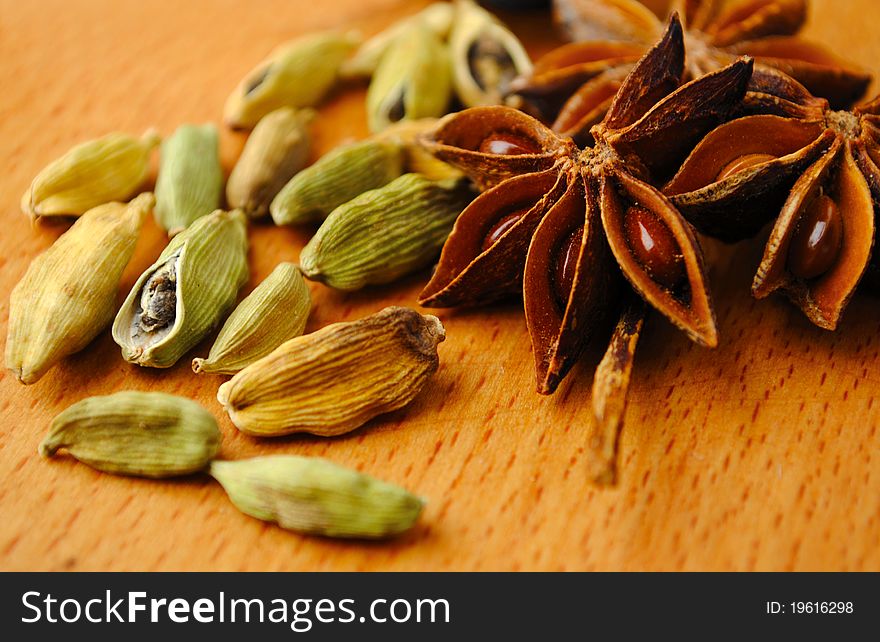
[[397, 110], [508, 144], [490, 64], [256, 81], [817, 240], [159, 298], [504, 223], [566, 266], [653, 246]]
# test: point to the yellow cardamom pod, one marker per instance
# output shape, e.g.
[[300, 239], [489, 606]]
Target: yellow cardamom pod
[[297, 74], [186, 292], [277, 310], [411, 81], [385, 233], [486, 56], [331, 381], [276, 150], [335, 178], [417, 159], [437, 17], [147, 434], [68, 294], [190, 178], [317, 497], [107, 169]]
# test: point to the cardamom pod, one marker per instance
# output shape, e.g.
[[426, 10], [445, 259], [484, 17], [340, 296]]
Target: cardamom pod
[[314, 496], [485, 55], [335, 178], [107, 169], [385, 233], [277, 310], [277, 149], [186, 292], [147, 434], [417, 159], [190, 178], [437, 17], [411, 81], [297, 74], [331, 381], [68, 294]]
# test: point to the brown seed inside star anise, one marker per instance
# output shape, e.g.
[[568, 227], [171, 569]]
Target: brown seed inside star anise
[[653, 246], [816, 243]]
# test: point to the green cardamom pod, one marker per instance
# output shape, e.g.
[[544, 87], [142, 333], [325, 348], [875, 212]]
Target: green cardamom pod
[[276, 311], [437, 17], [385, 233], [335, 178], [186, 292], [107, 169], [411, 81], [190, 179], [277, 148], [317, 497], [147, 434], [486, 56], [297, 74], [68, 294], [331, 381]]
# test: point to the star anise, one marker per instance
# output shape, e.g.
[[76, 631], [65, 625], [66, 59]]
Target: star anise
[[571, 87], [560, 224], [818, 174]]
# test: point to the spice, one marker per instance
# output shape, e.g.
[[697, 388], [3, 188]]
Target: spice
[[485, 56], [277, 310], [277, 148], [190, 180], [336, 379], [412, 79], [385, 233], [147, 434], [764, 30], [107, 169], [68, 294], [337, 177], [186, 292], [437, 17], [297, 74], [741, 175], [557, 222], [314, 496]]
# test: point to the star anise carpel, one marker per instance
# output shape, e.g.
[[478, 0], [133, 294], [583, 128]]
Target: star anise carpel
[[575, 230], [817, 175]]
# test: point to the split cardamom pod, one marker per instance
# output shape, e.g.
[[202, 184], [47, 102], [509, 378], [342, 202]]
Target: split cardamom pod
[[297, 74], [437, 17], [335, 178], [146, 434], [190, 179], [111, 168], [68, 294], [385, 233], [486, 57], [186, 292], [276, 311], [314, 496], [277, 148], [331, 381], [411, 81]]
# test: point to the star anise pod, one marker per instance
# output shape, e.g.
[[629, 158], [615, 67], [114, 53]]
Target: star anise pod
[[560, 224], [817, 174], [571, 87]]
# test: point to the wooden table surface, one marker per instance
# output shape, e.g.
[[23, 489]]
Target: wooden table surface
[[759, 455]]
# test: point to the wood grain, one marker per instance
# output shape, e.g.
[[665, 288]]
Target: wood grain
[[759, 455]]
